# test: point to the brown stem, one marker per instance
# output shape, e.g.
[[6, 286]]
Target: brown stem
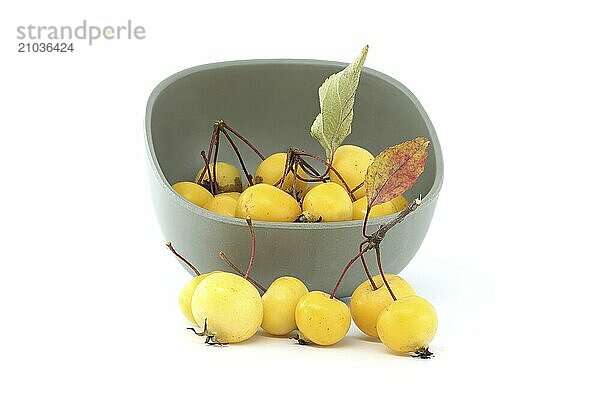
[[213, 139], [253, 251], [364, 231], [286, 168], [236, 269], [189, 264], [346, 268], [358, 187], [387, 285], [242, 138], [365, 266], [310, 179], [294, 180], [239, 156], [329, 167], [207, 168], [373, 241], [310, 171], [215, 161], [210, 147], [383, 229]]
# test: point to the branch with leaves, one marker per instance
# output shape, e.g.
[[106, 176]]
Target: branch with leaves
[[393, 171]]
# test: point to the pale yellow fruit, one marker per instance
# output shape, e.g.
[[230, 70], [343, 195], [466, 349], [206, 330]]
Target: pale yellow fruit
[[279, 305], [366, 303], [270, 171], [233, 195], [330, 201], [311, 187], [359, 209], [352, 163], [408, 324], [221, 204], [229, 305], [185, 296], [264, 202], [228, 177], [322, 320], [193, 193], [400, 203]]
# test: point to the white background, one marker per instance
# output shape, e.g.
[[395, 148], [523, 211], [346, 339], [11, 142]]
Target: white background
[[88, 293]]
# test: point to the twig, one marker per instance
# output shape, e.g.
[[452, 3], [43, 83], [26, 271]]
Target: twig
[[210, 147], [189, 264], [365, 266], [387, 285], [242, 138], [239, 156], [253, 251], [346, 268], [207, 168], [236, 269]]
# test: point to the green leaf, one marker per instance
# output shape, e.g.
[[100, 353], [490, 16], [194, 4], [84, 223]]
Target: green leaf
[[336, 97]]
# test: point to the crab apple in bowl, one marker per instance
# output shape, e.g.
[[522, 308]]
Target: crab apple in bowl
[[262, 202], [222, 204], [351, 162], [228, 178], [270, 171], [329, 201], [359, 209], [193, 193], [181, 104]]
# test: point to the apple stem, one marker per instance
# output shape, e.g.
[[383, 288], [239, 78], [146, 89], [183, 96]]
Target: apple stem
[[189, 264], [329, 167], [242, 138], [286, 168], [309, 169], [211, 183], [365, 266], [358, 187], [210, 148], [352, 260], [310, 179], [219, 127], [387, 285], [215, 162], [294, 181], [253, 251], [239, 157], [373, 241], [213, 138], [236, 269], [364, 230]]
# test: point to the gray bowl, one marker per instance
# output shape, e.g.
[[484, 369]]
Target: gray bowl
[[274, 102]]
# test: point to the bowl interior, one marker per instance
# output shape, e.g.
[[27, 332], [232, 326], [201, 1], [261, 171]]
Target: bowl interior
[[273, 103]]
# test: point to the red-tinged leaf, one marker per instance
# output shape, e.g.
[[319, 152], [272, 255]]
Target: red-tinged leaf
[[395, 170]]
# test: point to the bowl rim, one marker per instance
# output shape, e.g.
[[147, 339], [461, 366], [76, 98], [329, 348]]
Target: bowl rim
[[430, 197]]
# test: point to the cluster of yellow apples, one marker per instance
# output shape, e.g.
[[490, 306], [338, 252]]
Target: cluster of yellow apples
[[230, 310], [265, 201]]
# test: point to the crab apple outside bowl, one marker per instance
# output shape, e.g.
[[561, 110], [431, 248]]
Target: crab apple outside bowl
[[273, 103]]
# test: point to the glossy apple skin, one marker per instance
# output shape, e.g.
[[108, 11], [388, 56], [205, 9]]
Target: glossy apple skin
[[366, 304], [279, 305], [322, 320]]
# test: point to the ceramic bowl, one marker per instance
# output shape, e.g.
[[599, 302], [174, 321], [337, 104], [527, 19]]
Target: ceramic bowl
[[274, 102]]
